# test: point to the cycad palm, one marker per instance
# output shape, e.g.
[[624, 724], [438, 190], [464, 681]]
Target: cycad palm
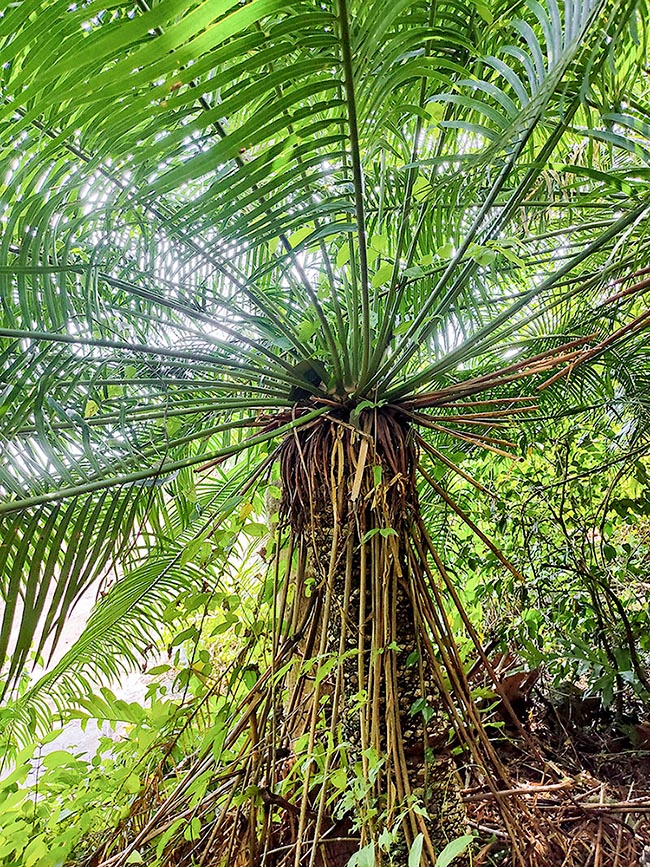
[[361, 234]]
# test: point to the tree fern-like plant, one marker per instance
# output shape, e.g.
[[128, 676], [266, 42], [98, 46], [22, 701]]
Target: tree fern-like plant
[[352, 240]]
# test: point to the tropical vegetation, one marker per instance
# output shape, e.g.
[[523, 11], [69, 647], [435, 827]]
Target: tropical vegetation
[[281, 283]]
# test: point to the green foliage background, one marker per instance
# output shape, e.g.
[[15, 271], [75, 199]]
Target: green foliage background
[[215, 215]]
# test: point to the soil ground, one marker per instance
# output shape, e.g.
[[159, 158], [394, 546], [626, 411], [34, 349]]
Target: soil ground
[[581, 784]]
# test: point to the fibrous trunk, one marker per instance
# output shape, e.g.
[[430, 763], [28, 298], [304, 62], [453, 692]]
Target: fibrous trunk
[[343, 745], [380, 712]]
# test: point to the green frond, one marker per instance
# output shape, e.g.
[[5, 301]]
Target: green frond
[[220, 222]]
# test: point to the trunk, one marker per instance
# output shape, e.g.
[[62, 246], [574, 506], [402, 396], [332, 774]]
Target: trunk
[[350, 500], [344, 742]]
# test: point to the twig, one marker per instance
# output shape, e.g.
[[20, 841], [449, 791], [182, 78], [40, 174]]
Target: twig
[[598, 854], [500, 835], [524, 790], [619, 836], [619, 807]]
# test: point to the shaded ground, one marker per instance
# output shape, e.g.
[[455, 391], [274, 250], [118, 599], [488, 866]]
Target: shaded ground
[[581, 778]]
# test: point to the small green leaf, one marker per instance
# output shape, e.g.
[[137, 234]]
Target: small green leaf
[[35, 851], [414, 271], [382, 275], [415, 852], [91, 408], [420, 189], [369, 534], [172, 425], [453, 850], [343, 256], [250, 676], [436, 111], [609, 551], [306, 330], [132, 784], [364, 857], [184, 635], [386, 840], [482, 255], [192, 831], [418, 705], [378, 243], [484, 11], [385, 532], [58, 758], [158, 669], [191, 550], [412, 658], [255, 528]]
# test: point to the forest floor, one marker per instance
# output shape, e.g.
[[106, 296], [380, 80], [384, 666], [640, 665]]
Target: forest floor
[[580, 790]]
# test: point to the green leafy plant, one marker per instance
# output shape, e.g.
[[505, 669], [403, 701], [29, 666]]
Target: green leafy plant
[[297, 243]]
